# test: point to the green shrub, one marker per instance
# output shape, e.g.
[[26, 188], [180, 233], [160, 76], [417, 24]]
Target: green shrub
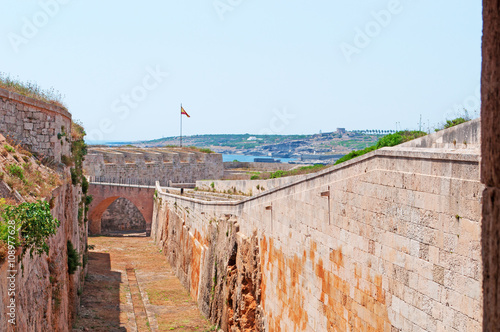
[[9, 148], [454, 122], [277, 174], [73, 258], [33, 224], [254, 177], [74, 176], [88, 200], [85, 185], [15, 170], [386, 141]]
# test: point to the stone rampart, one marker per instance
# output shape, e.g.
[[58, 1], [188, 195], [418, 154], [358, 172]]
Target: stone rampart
[[42, 128], [389, 241], [145, 166]]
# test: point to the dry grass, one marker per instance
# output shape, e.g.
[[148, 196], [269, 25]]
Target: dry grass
[[22, 172], [31, 89]]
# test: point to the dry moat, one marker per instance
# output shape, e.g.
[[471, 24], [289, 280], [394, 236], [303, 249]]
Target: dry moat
[[131, 287]]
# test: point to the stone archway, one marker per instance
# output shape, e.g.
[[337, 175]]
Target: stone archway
[[122, 216], [105, 194]]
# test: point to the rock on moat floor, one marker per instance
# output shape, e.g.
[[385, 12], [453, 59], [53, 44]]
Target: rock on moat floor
[[131, 287]]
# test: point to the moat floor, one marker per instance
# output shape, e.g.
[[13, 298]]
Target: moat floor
[[131, 287]]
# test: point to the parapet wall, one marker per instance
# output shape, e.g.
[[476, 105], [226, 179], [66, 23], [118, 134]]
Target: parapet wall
[[464, 136], [245, 186], [35, 124], [389, 241], [145, 166]]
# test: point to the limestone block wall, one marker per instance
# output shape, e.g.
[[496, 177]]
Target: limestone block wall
[[146, 166], [35, 124], [389, 241], [464, 136]]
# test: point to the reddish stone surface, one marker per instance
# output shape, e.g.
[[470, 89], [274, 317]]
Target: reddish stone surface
[[104, 195]]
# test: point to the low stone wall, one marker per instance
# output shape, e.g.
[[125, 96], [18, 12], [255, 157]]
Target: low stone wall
[[389, 241], [35, 125], [247, 187], [464, 136]]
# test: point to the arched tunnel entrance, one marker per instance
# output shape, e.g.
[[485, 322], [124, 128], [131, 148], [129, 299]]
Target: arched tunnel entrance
[[122, 216], [118, 208]]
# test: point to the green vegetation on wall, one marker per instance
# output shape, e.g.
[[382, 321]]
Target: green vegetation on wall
[[28, 225], [389, 140], [73, 258]]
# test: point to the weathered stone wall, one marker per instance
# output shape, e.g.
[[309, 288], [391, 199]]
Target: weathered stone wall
[[146, 166], [490, 163], [389, 241], [46, 295], [122, 215], [35, 125]]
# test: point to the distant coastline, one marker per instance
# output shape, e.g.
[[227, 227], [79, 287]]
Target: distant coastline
[[249, 158]]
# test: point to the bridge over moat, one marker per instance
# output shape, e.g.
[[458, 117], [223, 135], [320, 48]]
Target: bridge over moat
[[104, 194]]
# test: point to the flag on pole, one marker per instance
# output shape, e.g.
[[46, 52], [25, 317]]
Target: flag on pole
[[183, 111]]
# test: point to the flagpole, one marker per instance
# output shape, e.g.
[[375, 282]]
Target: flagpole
[[181, 127]]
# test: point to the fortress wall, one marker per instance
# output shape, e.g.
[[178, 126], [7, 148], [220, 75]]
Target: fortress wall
[[46, 295], [35, 124], [121, 165], [396, 247]]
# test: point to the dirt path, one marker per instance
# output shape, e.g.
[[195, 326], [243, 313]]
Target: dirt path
[[131, 287]]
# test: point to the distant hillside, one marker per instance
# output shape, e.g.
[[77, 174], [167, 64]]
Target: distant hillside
[[281, 146]]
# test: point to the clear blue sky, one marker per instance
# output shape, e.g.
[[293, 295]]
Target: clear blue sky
[[235, 64]]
